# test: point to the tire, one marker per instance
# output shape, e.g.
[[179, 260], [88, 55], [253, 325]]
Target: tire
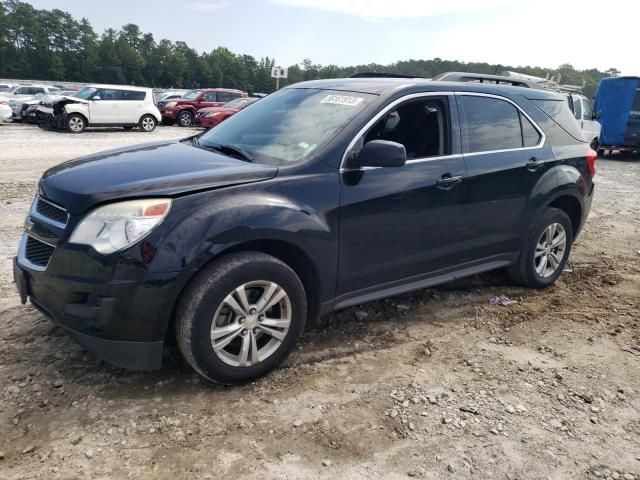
[[185, 118], [600, 152], [148, 123], [595, 144], [527, 271], [204, 311], [76, 123]]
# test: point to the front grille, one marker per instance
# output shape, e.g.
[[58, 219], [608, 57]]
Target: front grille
[[38, 252], [51, 211]]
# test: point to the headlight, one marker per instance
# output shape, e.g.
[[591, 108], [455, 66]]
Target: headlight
[[113, 227], [212, 114], [170, 104]]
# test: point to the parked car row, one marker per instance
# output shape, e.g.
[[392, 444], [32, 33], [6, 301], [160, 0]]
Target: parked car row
[[120, 106]]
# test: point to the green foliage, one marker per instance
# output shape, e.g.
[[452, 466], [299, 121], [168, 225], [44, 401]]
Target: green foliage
[[52, 45]]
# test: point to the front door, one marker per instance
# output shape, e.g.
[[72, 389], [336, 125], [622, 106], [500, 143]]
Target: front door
[[402, 222], [104, 108]]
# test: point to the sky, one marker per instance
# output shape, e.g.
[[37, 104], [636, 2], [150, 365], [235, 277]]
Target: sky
[[544, 33]]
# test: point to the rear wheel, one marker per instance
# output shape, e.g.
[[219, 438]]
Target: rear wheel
[[76, 123], [185, 118], [545, 251], [595, 144], [241, 317], [148, 123]]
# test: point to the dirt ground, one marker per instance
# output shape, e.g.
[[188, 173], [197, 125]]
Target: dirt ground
[[438, 384]]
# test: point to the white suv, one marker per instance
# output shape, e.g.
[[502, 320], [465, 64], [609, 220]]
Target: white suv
[[106, 106], [586, 117], [27, 91]]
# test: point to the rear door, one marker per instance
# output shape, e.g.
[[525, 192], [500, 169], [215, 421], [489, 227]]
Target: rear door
[[131, 103], [632, 134], [505, 156], [404, 222]]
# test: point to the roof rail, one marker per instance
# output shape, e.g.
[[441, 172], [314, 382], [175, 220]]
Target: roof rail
[[381, 75]]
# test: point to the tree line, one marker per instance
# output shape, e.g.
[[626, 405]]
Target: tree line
[[52, 45]]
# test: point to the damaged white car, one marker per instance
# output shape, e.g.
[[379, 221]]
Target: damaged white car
[[103, 106]]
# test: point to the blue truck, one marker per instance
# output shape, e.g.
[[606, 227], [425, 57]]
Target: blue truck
[[618, 103]]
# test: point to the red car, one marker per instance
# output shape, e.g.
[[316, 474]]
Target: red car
[[183, 110], [212, 116]]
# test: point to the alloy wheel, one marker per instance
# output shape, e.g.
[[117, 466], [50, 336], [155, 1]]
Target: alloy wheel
[[148, 124], [550, 250], [251, 323], [76, 124], [185, 120]]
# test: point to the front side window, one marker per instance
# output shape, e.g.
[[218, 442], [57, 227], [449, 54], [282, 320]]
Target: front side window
[[209, 97], [577, 108], [85, 93], [489, 124], [107, 94], [288, 126], [422, 126], [587, 111]]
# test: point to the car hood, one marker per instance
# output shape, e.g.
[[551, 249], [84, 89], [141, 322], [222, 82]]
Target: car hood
[[168, 168]]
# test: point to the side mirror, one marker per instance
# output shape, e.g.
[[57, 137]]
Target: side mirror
[[95, 97], [596, 115], [381, 153]]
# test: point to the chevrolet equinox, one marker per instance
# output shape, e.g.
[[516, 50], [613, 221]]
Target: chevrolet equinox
[[323, 195]]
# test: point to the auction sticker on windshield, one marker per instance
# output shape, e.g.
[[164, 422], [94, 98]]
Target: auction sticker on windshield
[[342, 100]]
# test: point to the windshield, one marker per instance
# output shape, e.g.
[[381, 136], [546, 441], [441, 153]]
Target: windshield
[[289, 125], [237, 103], [191, 94], [85, 93]]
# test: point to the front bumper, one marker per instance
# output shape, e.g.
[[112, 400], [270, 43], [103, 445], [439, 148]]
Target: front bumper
[[122, 321]]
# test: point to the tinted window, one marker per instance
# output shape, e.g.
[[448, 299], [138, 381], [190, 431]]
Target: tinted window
[[530, 136], [21, 91], [225, 96], [209, 97], [489, 124], [108, 94], [559, 112], [422, 126], [131, 95]]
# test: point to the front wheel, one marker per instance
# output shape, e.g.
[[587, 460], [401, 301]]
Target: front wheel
[[241, 317], [545, 250], [76, 123], [148, 123]]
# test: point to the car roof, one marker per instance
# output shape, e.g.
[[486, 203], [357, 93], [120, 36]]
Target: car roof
[[119, 87], [383, 86], [233, 90]]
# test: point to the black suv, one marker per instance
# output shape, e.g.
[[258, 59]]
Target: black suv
[[323, 195]]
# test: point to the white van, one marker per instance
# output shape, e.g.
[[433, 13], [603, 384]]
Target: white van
[[586, 117], [106, 106]]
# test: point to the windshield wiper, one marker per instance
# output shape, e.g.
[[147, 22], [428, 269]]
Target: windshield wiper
[[230, 150]]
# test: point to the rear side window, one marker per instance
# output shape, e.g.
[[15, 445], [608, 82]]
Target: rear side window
[[131, 95], [210, 97], [492, 124], [225, 96], [530, 136], [559, 112]]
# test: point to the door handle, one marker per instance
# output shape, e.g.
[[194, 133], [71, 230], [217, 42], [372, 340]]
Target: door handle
[[447, 181], [533, 164]]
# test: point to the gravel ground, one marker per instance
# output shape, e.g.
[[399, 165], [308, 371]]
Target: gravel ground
[[438, 384]]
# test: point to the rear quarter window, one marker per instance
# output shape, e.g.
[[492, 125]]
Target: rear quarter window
[[559, 112]]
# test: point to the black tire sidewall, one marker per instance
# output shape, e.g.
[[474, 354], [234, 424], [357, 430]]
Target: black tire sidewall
[[155, 123], [76, 115], [549, 216], [180, 115], [207, 362]]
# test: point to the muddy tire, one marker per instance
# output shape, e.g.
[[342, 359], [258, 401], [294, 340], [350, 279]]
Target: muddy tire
[[76, 123], [545, 250], [240, 317]]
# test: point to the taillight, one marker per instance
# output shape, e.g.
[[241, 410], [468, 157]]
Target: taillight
[[592, 156]]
